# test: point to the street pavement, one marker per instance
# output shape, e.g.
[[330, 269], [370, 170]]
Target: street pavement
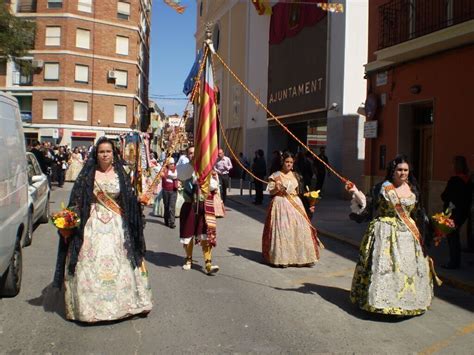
[[248, 307]]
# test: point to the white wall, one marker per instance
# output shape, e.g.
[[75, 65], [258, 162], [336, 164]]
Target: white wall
[[255, 118]]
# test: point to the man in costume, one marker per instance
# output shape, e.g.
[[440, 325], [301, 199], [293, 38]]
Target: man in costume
[[197, 221]]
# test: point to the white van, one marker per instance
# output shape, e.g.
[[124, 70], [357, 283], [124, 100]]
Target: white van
[[13, 195]]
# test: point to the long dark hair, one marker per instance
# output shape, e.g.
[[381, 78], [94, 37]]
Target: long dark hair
[[392, 166], [460, 165], [81, 198]]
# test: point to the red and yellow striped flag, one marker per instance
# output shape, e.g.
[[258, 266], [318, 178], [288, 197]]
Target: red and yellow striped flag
[[206, 137]]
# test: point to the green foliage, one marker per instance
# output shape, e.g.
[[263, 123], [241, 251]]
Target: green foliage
[[16, 35]]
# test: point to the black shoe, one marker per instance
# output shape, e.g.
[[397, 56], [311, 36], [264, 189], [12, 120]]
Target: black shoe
[[172, 226]]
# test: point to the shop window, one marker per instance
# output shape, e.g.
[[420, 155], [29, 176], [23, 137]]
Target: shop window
[[81, 109], [121, 45], [50, 109], [123, 10], [51, 71], [120, 114], [81, 73], [53, 36], [83, 38]]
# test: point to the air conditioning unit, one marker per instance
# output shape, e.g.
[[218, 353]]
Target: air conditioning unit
[[111, 74], [37, 63]]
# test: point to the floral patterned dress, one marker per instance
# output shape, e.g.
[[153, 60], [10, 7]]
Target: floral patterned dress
[[392, 275], [105, 286], [288, 239]]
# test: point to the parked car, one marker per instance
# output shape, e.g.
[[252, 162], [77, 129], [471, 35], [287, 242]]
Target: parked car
[[13, 196], [38, 196]]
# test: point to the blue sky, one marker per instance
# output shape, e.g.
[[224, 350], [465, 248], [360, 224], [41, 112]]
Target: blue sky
[[172, 52]]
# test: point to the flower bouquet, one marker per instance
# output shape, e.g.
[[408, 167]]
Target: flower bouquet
[[312, 197], [65, 220], [443, 225]]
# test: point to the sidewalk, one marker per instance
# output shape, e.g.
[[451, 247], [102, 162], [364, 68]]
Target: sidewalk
[[332, 220]]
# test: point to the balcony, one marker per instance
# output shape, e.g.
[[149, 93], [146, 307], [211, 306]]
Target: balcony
[[404, 20], [26, 6], [21, 79]]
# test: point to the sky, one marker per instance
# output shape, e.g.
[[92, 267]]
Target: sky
[[173, 49]]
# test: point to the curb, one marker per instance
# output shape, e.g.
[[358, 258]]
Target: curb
[[448, 280]]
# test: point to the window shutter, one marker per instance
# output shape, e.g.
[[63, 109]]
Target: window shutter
[[51, 71], [50, 109], [80, 110], [121, 45], [84, 5], [121, 79], [82, 73], [123, 8], [53, 36], [83, 38], [120, 114]]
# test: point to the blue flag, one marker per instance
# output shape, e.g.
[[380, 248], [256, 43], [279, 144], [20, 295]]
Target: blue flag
[[189, 82]]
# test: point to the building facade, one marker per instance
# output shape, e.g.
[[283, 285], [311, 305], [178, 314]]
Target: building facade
[[240, 37], [90, 69], [306, 65], [420, 73]]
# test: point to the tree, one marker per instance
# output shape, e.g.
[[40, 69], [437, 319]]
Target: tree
[[16, 35]]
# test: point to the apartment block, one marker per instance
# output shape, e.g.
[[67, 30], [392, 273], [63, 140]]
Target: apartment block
[[89, 69]]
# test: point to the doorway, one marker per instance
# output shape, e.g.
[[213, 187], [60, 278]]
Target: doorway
[[415, 139]]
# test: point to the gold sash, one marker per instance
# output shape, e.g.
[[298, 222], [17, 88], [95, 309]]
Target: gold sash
[[107, 201], [397, 205]]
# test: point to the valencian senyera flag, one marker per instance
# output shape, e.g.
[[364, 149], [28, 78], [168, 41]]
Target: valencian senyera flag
[[175, 4], [206, 137]]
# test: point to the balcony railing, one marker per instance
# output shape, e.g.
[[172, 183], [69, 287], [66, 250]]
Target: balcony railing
[[22, 79], [403, 20], [26, 6]]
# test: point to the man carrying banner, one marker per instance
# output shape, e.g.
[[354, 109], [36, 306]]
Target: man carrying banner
[[197, 220]]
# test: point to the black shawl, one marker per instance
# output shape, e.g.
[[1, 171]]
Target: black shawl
[[80, 200]]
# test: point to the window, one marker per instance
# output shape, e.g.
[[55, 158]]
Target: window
[[121, 45], [55, 4], [84, 5], [53, 36], [83, 38], [120, 114], [123, 10], [81, 109], [51, 71], [121, 77], [50, 109], [81, 73]]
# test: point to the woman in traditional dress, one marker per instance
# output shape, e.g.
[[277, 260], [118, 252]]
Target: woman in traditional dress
[[289, 239], [75, 165], [393, 274], [101, 262]]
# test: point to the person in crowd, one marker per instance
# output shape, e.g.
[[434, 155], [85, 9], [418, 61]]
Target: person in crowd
[[259, 169], [219, 208], [197, 217], [101, 262], [170, 185], [275, 164], [223, 167], [289, 239], [75, 165], [183, 159], [458, 197], [43, 161], [320, 168], [61, 160], [304, 168], [245, 162], [393, 274]]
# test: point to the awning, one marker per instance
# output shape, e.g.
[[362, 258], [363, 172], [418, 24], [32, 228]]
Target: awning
[[83, 134]]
